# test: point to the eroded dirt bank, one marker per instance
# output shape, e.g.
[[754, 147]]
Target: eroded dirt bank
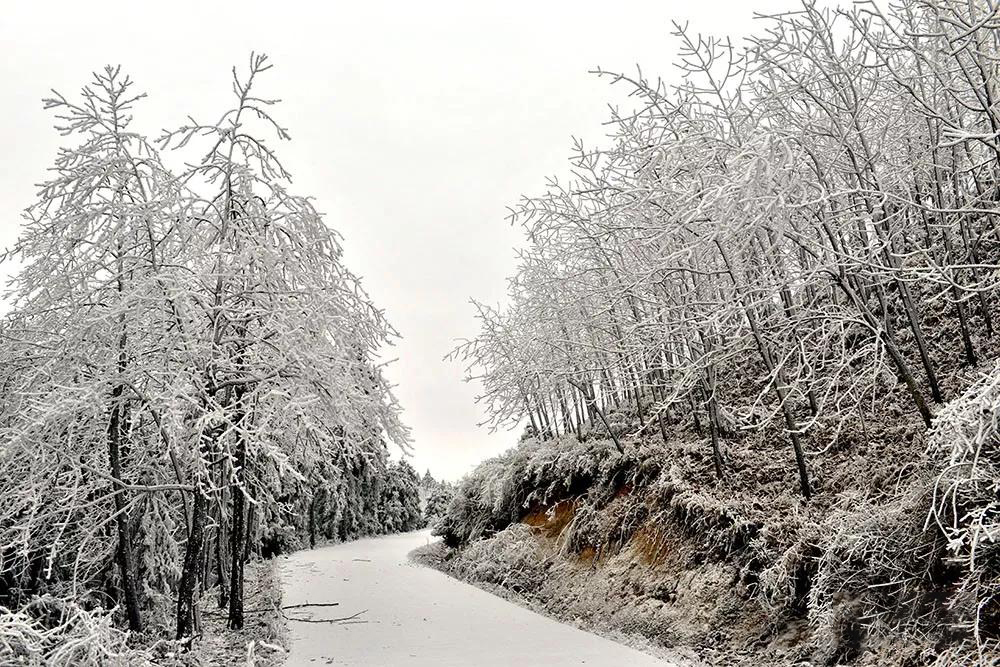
[[739, 571]]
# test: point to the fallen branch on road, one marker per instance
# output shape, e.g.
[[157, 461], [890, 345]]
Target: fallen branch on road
[[344, 619], [311, 604]]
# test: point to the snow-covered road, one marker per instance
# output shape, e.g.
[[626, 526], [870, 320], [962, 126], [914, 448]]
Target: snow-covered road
[[417, 616]]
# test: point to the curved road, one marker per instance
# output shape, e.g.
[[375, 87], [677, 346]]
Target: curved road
[[409, 615]]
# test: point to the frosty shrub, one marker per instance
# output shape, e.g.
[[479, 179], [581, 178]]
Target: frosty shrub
[[966, 503], [510, 560], [159, 558], [400, 508], [52, 632], [539, 473]]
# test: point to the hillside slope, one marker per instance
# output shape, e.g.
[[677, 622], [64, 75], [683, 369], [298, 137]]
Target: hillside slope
[[741, 570]]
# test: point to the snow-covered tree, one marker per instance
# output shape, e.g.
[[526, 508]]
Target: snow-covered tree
[[181, 348], [772, 243]]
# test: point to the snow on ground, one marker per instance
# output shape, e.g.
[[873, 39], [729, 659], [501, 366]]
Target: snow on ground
[[418, 616]]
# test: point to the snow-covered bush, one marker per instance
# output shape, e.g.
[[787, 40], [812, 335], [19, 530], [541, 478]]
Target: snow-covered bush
[[159, 558], [965, 442], [501, 490], [400, 503], [55, 632], [510, 560]]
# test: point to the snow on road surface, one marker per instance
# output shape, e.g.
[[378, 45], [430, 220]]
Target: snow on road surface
[[417, 616]]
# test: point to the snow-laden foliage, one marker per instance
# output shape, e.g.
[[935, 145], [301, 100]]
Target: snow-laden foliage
[[57, 633], [845, 569], [436, 506], [509, 561], [536, 473], [183, 348], [401, 499], [435, 497], [795, 245], [966, 503], [808, 222]]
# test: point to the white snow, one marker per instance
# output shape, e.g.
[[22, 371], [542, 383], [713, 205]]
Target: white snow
[[418, 616]]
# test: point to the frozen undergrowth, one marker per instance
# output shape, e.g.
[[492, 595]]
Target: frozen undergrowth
[[56, 632], [648, 543]]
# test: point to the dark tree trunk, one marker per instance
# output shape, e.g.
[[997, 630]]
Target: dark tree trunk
[[117, 429], [220, 563], [694, 416], [124, 553], [531, 415], [186, 602], [236, 572], [663, 426], [600, 413], [712, 407], [239, 517], [312, 522], [248, 537]]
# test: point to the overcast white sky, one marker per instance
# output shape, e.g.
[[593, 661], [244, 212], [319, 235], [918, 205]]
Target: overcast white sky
[[414, 125]]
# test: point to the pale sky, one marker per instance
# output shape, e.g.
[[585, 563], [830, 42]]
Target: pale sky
[[414, 126]]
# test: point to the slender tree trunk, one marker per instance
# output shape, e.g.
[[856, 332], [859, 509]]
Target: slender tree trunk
[[220, 560], [600, 413], [188, 587], [250, 541], [659, 393], [555, 416], [126, 569], [531, 415], [544, 414], [239, 512], [205, 578], [312, 522], [237, 562], [694, 416], [117, 432], [712, 407], [578, 413]]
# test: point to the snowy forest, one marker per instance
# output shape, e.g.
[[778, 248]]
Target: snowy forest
[[754, 341], [191, 379], [747, 362]]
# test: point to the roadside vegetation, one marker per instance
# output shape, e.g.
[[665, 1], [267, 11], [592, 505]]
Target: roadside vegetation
[[753, 339], [191, 381]]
